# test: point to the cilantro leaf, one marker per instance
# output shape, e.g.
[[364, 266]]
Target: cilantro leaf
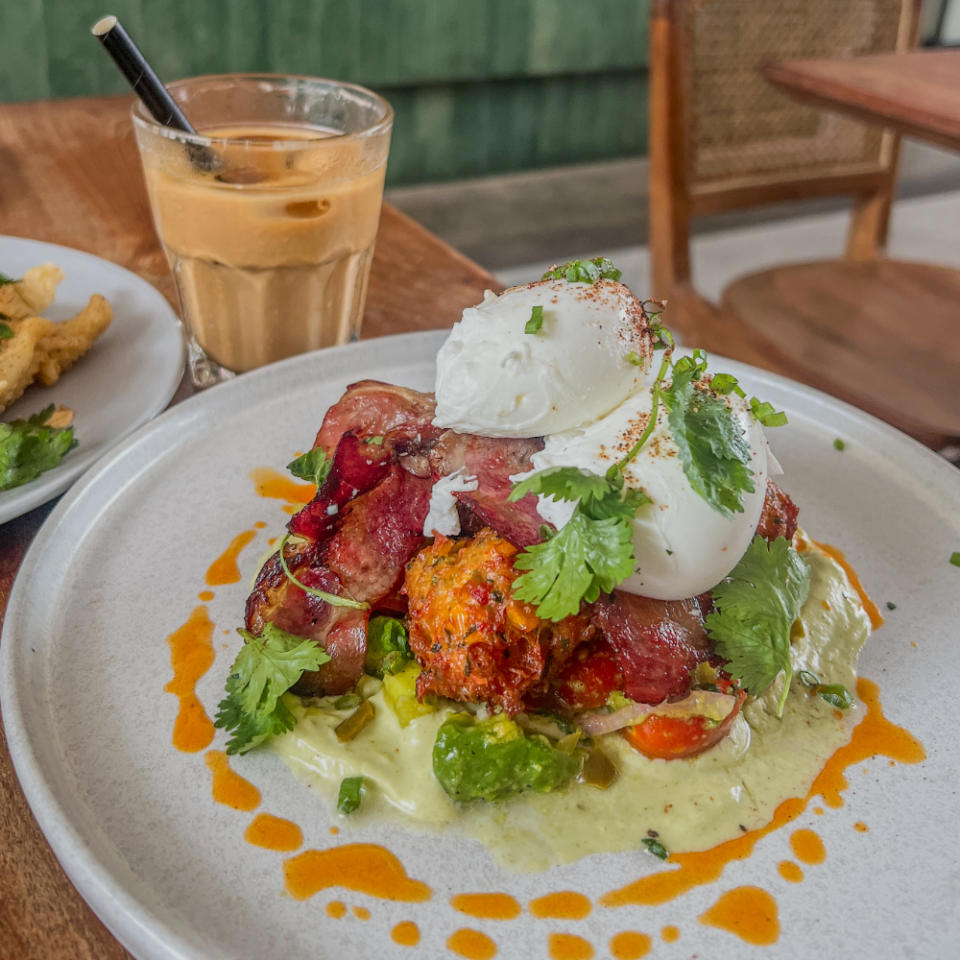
[[713, 448], [6, 331], [29, 447], [314, 465], [584, 271], [754, 609], [593, 551], [562, 483], [264, 669]]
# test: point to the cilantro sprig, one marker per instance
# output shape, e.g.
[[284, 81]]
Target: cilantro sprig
[[593, 551], [266, 667], [754, 609], [314, 465], [30, 447], [584, 271], [535, 323], [713, 448]]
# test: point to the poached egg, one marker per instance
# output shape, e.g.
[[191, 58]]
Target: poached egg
[[592, 351]]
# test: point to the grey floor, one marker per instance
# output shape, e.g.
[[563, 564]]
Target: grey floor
[[517, 225]]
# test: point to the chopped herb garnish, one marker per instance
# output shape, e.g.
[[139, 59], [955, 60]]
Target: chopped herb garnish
[[350, 795], [754, 609], [4, 280], [332, 598], [656, 847], [314, 465], [635, 358], [713, 448], [266, 667], [766, 414], [30, 447], [6, 331], [584, 271], [955, 558], [724, 383], [535, 323], [838, 444], [891, 605], [593, 551], [375, 441], [388, 649], [835, 694]]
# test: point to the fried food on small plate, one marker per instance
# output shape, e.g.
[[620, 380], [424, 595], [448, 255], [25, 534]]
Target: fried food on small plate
[[40, 349]]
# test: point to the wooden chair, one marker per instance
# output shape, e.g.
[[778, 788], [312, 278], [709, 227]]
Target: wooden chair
[[866, 329]]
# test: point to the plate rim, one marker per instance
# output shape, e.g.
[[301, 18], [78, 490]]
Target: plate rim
[[133, 923], [43, 489]]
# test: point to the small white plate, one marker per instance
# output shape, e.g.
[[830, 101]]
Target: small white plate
[[119, 565], [126, 379]]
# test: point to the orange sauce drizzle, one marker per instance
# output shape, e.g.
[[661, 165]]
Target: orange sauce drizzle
[[224, 569], [361, 913], [471, 944], [630, 945], [860, 827], [670, 934], [486, 906], [191, 656], [790, 871], [336, 909], [568, 946], [205, 595], [363, 867], [873, 735], [406, 933], [270, 483], [565, 905], [273, 833], [876, 619], [230, 788], [807, 847], [748, 912], [260, 525]]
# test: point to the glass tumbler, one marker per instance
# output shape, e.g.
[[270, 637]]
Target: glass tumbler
[[268, 215]]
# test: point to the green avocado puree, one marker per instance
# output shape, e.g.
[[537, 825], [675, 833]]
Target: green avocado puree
[[692, 803]]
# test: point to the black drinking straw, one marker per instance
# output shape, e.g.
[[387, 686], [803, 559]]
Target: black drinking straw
[[147, 85]]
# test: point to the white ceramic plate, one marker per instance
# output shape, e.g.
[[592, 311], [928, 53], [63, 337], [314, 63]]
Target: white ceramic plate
[[119, 564], [127, 378]]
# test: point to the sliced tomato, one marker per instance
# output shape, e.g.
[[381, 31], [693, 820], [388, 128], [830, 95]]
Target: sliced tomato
[[669, 738], [589, 677]]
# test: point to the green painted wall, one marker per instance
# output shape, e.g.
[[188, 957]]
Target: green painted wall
[[479, 86]]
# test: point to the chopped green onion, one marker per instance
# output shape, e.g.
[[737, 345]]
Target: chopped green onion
[[535, 322], [838, 444], [333, 599], [656, 847], [955, 558], [808, 679], [6, 331], [766, 413], [635, 358], [4, 280], [891, 605], [837, 695], [347, 701], [724, 383], [350, 795], [375, 441]]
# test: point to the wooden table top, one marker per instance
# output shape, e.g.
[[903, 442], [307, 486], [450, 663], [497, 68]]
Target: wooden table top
[[71, 175], [917, 92]]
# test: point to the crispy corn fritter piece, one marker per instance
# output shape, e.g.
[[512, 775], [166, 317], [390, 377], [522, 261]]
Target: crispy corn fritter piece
[[474, 642]]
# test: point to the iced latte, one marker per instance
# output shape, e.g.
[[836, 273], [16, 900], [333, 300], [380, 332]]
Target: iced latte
[[269, 227]]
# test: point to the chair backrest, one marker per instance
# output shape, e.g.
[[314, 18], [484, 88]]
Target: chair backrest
[[722, 137]]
